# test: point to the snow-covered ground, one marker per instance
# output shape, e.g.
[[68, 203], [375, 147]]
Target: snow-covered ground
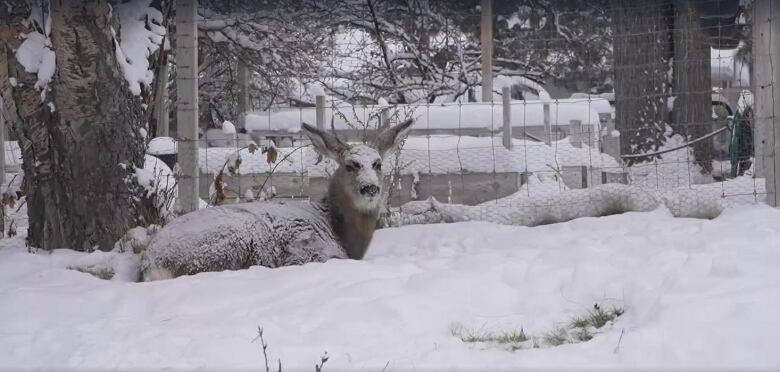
[[698, 294]]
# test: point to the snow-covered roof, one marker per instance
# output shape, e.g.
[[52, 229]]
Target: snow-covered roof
[[438, 154], [440, 116]]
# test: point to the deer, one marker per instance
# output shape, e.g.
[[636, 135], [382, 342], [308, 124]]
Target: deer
[[283, 233]]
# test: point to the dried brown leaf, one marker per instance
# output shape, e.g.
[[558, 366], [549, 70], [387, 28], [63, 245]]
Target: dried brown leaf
[[219, 190], [270, 155]]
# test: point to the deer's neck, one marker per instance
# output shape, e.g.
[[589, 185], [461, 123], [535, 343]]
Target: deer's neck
[[353, 227]]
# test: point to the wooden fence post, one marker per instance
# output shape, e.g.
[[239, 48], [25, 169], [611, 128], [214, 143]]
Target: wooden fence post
[[575, 133], [766, 76], [187, 103], [243, 93]]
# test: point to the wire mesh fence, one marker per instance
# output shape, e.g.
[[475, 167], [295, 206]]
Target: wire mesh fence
[[607, 107], [676, 122]]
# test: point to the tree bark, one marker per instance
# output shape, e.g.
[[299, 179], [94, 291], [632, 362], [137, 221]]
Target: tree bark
[[692, 114], [81, 145], [642, 49]]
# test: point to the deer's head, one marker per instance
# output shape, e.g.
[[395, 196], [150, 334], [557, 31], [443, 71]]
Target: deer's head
[[359, 173]]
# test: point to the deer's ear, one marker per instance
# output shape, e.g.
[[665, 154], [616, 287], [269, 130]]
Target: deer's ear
[[325, 143], [390, 138]]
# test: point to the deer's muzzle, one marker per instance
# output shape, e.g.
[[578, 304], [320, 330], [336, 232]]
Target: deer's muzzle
[[369, 190]]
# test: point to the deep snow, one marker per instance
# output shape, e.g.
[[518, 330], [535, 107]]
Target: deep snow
[[698, 294]]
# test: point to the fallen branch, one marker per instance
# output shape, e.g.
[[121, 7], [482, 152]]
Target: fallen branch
[[684, 145]]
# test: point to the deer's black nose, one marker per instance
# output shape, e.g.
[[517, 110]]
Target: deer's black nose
[[369, 190]]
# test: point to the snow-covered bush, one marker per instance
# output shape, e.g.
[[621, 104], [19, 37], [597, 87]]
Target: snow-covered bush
[[160, 190]]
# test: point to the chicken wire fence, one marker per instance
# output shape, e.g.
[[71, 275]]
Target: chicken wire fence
[[676, 128]]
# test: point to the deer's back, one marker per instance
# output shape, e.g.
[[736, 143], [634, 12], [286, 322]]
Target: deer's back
[[237, 236]]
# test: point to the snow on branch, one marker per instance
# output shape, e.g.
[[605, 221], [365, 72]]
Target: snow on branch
[[35, 53], [141, 33]]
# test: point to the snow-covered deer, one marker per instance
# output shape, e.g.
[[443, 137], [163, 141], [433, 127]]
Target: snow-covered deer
[[279, 233]]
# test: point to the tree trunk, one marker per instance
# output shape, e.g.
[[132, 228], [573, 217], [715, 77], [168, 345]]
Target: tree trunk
[[692, 115], [642, 49], [161, 112], [81, 145]]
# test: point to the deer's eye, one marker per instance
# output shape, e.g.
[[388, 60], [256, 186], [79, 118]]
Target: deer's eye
[[378, 165]]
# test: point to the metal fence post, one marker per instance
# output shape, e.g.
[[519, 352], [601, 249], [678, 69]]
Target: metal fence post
[[547, 126], [320, 112], [506, 99]]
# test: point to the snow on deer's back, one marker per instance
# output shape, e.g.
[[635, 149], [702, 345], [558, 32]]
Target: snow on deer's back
[[277, 233]]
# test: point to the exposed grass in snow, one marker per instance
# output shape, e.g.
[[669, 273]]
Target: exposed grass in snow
[[471, 335], [581, 328], [556, 337]]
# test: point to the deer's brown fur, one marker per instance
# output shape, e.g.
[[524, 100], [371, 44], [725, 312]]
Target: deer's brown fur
[[353, 227]]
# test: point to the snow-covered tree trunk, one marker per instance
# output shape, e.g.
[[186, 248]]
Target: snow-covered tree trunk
[[692, 115], [642, 49], [81, 135]]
